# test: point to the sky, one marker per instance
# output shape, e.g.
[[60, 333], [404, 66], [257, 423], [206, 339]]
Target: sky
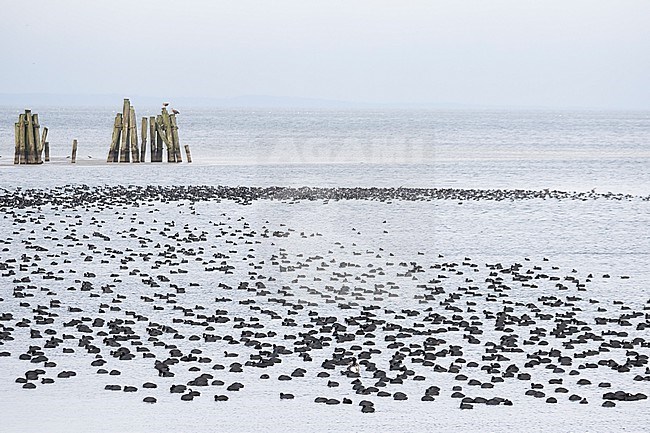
[[511, 53]]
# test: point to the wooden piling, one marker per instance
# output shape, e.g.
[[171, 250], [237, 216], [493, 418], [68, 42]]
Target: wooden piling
[[31, 141], [159, 145], [188, 154], [43, 140], [162, 135], [37, 140], [177, 146], [17, 142], [152, 138], [114, 150], [74, 151], [46, 147], [133, 126], [171, 152], [143, 147], [126, 139], [21, 138]]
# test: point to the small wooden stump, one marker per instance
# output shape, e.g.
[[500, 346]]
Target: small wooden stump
[[74, 151]]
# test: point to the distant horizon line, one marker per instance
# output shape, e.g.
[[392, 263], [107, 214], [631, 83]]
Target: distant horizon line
[[268, 101]]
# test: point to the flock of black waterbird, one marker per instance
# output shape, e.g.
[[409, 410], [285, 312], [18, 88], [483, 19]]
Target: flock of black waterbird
[[115, 278]]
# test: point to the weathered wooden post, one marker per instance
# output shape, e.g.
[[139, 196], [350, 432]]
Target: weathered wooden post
[[31, 141], [167, 126], [143, 147], [37, 140], [159, 143], [152, 138], [133, 125], [188, 154], [177, 145], [162, 136], [74, 151], [159, 138], [17, 141], [46, 146], [42, 143], [21, 138], [114, 150], [126, 139]]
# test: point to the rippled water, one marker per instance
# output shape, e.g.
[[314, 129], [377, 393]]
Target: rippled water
[[609, 151]]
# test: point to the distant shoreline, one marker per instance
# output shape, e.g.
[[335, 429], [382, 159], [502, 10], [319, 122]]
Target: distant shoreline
[[257, 102]]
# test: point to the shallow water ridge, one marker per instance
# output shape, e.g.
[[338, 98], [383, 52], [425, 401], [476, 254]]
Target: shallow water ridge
[[239, 308]]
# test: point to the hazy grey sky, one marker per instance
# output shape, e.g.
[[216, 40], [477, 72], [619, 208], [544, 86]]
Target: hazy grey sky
[[555, 53]]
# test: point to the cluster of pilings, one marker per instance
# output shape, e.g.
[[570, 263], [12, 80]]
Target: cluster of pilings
[[124, 145], [29, 142], [163, 129], [166, 130]]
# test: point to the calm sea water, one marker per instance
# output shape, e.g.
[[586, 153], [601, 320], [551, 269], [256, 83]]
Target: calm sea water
[[608, 151], [570, 150]]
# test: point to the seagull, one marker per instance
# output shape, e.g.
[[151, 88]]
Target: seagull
[[165, 104], [175, 111]]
